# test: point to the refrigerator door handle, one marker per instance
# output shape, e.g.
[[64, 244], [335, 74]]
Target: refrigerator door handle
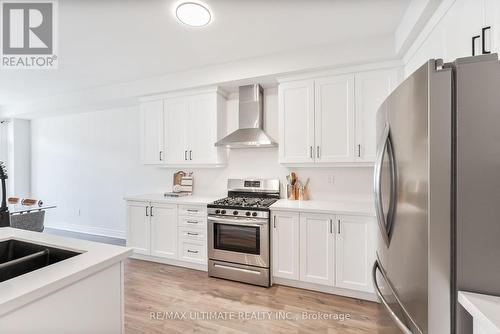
[[394, 316], [385, 224]]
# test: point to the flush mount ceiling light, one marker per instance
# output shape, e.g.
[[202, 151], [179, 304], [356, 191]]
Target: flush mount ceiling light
[[193, 14]]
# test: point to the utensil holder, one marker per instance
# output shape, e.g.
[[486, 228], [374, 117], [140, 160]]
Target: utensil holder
[[292, 192], [303, 194]]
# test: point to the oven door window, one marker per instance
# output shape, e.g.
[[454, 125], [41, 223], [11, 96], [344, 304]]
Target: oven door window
[[237, 238]]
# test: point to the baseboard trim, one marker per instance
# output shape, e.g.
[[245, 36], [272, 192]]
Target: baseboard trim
[[171, 262], [103, 232], [326, 289]]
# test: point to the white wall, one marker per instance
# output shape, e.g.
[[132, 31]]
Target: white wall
[[90, 161]]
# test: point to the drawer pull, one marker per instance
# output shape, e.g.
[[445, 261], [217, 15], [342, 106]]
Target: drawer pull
[[192, 210], [190, 233], [194, 252], [192, 221]]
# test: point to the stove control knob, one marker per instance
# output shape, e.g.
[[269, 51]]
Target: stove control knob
[[217, 211], [248, 213], [223, 212], [235, 213], [254, 214]]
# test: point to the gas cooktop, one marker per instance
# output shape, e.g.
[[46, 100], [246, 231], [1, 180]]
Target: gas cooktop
[[244, 202]]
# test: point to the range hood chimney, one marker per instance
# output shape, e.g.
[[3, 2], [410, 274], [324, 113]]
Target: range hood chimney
[[250, 132]]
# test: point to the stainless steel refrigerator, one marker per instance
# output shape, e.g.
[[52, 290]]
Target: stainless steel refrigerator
[[437, 193]]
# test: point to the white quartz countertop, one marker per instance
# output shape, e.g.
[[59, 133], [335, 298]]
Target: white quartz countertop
[[23, 289], [160, 198], [484, 309], [347, 208]]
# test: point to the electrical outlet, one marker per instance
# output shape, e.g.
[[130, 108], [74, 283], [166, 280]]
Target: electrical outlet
[[331, 179]]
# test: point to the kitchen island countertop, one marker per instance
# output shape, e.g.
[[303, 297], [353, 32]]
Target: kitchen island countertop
[[24, 289]]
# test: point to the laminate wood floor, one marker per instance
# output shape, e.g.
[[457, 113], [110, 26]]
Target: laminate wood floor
[[201, 304]]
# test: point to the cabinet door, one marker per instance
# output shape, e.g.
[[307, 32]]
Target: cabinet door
[[202, 129], [316, 248], [164, 230], [492, 19], [372, 88], [152, 132], [138, 227], [463, 21], [296, 121], [354, 253], [176, 123], [285, 245], [334, 119]]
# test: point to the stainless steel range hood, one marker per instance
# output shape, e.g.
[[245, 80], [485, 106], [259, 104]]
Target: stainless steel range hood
[[250, 132]]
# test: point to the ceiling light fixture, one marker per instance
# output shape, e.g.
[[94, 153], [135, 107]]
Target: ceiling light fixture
[[193, 14]]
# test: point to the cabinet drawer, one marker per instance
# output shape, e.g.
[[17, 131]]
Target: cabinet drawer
[[193, 221], [192, 210], [192, 251], [191, 234]]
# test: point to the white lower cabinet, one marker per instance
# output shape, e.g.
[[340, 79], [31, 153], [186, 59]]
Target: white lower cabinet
[[285, 245], [174, 233], [317, 257], [138, 227], [355, 253], [324, 250], [164, 230]]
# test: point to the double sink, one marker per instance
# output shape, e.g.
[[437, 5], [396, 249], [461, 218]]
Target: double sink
[[19, 257]]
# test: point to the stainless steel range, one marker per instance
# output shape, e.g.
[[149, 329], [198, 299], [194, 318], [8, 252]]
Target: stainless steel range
[[238, 231]]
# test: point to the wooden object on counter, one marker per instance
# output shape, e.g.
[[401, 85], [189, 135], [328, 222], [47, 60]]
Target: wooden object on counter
[[178, 178], [292, 192], [13, 200]]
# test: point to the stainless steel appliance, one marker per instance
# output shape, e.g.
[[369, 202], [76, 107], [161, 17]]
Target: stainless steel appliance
[[238, 231], [251, 121], [437, 193]]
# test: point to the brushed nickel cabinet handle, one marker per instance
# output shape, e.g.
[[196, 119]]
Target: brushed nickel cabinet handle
[[359, 151], [192, 210], [311, 152], [190, 155], [185, 155], [274, 222], [317, 152], [160, 155], [194, 252], [190, 233], [151, 211], [339, 226], [147, 207], [331, 226], [191, 222]]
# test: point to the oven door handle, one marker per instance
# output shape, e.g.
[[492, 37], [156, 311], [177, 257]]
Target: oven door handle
[[254, 223]]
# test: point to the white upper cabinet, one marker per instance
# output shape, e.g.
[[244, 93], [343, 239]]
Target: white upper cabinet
[[204, 123], [492, 19], [152, 132], [331, 120], [176, 124], [188, 125], [463, 21], [334, 118], [296, 126], [372, 88]]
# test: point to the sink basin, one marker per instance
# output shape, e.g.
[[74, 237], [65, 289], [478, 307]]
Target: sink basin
[[19, 257]]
